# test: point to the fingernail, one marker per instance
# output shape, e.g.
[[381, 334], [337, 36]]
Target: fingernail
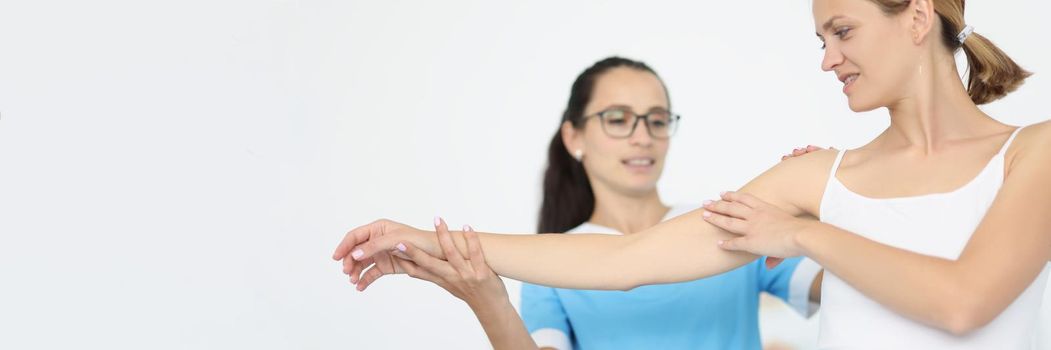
[[707, 214], [720, 242], [467, 228], [707, 202], [723, 193], [357, 253], [400, 247], [437, 221]]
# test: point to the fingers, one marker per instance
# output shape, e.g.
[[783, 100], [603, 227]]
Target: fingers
[[445, 240], [369, 277], [415, 271], [802, 150], [744, 198], [355, 237], [352, 238], [736, 244], [772, 262], [375, 244], [734, 209], [424, 261], [733, 225], [474, 250], [356, 268]]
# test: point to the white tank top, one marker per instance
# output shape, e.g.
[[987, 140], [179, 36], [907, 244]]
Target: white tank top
[[936, 225]]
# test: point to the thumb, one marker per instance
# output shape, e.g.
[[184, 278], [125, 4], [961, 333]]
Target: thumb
[[371, 247], [772, 262]]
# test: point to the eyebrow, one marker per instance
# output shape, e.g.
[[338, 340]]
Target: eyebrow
[[828, 24], [632, 110]]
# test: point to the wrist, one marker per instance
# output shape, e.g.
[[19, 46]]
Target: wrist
[[804, 239], [426, 241], [490, 308]]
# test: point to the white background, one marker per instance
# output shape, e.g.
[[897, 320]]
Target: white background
[[175, 175]]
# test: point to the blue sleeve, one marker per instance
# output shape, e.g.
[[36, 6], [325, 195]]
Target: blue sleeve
[[777, 281], [541, 308]]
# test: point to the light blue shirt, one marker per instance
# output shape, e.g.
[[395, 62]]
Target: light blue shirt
[[718, 312]]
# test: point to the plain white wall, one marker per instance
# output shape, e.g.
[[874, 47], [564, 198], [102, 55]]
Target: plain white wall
[[176, 174]]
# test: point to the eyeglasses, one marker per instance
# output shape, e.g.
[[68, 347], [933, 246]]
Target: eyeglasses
[[620, 123]]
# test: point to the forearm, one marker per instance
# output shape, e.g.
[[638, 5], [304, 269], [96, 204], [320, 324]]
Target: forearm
[[680, 249], [503, 326], [935, 287]]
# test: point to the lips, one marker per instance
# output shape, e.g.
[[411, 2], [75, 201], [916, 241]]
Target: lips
[[848, 78], [639, 161]]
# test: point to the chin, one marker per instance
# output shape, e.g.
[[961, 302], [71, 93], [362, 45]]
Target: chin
[[641, 186], [858, 105]]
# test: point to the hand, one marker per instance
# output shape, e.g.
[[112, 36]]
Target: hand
[[764, 228], [371, 246], [469, 279], [801, 151]]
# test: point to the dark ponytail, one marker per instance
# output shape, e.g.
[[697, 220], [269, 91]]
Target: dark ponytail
[[568, 200]]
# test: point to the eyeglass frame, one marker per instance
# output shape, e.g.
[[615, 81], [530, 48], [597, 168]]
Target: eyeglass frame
[[672, 118]]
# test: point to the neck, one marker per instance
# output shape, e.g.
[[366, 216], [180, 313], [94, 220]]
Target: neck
[[937, 110], [627, 213]]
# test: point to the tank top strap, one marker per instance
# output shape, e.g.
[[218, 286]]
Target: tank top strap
[[1007, 144], [835, 165]]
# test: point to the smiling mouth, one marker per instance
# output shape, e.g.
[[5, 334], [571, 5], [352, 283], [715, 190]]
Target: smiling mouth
[[639, 162], [850, 79]]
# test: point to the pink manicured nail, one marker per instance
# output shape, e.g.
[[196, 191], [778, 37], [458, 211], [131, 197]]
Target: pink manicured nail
[[706, 202], [707, 214], [723, 193], [357, 253], [437, 221], [720, 242], [400, 247]]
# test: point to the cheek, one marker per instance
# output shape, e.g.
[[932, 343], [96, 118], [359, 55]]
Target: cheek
[[600, 149], [662, 149]]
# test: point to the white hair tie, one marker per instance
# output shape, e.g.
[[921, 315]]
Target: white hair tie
[[966, 32]]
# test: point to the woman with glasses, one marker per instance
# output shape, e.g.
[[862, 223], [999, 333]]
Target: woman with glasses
[[604, 162]]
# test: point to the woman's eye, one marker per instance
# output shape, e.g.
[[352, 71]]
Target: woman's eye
[[842, 32]]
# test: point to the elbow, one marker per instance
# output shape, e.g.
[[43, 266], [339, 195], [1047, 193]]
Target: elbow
[[962, 323], [964, 315], [628, 281], [628, 287]]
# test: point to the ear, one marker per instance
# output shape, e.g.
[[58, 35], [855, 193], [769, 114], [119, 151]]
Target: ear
[[572, 138], [922, 19]]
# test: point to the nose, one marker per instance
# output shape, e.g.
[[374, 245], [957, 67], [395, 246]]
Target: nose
[[641, 135], [832, 59]]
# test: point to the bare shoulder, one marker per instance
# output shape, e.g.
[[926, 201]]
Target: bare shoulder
[[1038, 133], [1033, 143], [795, 184]]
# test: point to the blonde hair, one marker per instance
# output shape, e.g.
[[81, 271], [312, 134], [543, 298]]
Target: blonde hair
[[992, 74]]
